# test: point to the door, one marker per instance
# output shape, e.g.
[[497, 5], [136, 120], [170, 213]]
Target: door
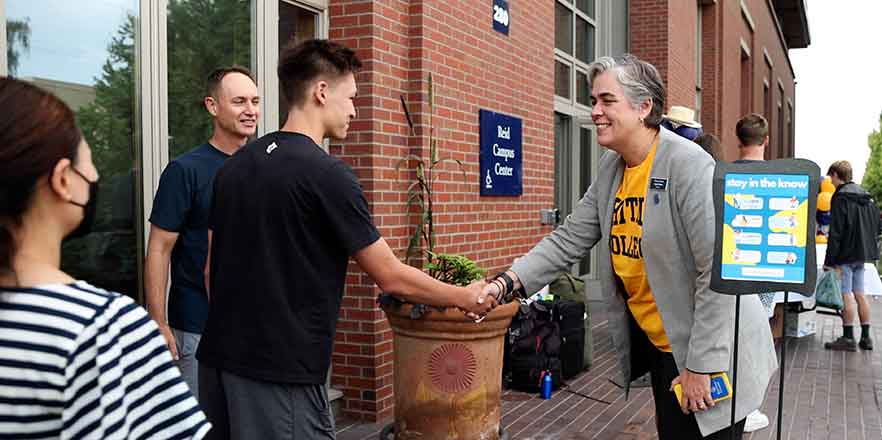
[[573, 170]]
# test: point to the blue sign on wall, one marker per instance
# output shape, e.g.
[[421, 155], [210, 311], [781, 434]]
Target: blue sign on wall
[[501, 161], [501, 18]]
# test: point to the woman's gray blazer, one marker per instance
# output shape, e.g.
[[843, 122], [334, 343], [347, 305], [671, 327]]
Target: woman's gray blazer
[[677, 244]]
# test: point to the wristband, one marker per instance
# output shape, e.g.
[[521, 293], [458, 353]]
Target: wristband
[[508, 282]]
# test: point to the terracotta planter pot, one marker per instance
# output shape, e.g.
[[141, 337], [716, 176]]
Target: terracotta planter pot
[[448, 373]]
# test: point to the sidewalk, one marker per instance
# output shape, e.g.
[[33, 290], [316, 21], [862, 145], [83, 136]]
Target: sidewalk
[[827, 395]]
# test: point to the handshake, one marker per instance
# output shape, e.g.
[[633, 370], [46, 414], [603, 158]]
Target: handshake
[[484, 295]]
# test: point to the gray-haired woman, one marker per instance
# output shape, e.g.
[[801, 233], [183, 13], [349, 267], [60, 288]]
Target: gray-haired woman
[[650, 210]]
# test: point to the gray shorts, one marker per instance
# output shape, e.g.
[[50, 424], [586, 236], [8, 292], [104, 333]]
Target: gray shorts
[[240, 408], [852, 278], [187, 344]]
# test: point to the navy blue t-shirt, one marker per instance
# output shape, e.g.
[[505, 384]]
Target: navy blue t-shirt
[[182, 205]]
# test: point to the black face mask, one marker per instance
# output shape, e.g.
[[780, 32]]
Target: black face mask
[[89, 209]]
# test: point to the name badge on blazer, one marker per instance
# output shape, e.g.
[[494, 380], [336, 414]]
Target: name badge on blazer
[[658, 183]]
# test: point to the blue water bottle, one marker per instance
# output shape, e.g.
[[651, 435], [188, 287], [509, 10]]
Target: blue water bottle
[[546, 385]]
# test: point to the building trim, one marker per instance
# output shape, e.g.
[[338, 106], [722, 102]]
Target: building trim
[[768, 58], [747, 17], [152, 70], [781, 38], [745, 48], [3, 38], [317, 4]]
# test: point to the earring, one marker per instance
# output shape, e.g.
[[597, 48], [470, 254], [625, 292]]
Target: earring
[[641, 119]]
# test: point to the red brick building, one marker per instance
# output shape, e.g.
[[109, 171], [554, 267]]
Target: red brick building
[[725, 58], [722, 57]]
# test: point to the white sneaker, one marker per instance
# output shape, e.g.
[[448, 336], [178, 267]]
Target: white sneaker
[[755, 421]]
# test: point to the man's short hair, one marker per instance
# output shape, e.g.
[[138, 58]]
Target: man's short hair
[[301, 64], [213, 82], [842, 168], [752, 129]]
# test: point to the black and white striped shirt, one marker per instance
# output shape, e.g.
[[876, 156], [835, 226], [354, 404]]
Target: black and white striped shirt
[[80, 362]]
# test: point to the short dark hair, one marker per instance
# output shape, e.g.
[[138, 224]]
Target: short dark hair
[[212, 83], [842, 168], [711, 144], [302, 63], [752, 129]]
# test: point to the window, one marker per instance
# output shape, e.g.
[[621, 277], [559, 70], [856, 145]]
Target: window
[[202, 36], [767, 113], [575, 45], [746, 81], [585, 177], [790, 132], [296, 24], [579, 39], [783, 148], [562, 169], [87, 56]]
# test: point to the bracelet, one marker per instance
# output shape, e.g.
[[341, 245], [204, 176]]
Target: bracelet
[[508, 282]]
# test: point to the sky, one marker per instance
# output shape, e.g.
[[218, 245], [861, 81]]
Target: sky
[[87, 27], [839, 82]]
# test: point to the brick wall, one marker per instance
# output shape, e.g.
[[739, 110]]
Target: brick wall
[[724, 26], [402, 41], [649, 28], [663, 33], [473, 67], [681, 75]]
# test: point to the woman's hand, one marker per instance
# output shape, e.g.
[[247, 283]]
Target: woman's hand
[[696, 391]]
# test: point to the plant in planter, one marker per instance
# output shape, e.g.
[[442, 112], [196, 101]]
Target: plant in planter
[[452, 269], [447, 367]]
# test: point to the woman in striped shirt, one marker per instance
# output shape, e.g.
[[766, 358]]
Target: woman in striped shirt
[[75, 361]]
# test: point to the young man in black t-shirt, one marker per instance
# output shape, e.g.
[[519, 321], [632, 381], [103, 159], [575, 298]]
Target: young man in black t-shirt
[[285, 219]]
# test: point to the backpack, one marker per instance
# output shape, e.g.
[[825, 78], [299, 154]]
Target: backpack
[[572, 288], [532, 346]]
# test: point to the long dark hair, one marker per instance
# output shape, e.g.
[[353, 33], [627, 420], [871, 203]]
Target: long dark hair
[[36, 131]]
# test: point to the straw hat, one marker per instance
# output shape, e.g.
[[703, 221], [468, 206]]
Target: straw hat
[[682, 115]]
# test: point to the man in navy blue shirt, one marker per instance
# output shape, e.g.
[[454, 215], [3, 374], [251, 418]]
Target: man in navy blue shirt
[[179, 220]]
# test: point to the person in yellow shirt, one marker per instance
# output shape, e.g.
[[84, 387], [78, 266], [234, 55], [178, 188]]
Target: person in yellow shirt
[[650, 209]]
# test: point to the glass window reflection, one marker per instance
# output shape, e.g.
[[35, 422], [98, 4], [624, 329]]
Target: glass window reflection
[[84, 52]]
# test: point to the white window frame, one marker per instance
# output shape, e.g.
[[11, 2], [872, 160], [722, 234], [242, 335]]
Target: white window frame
[[580, 114], [3, 38], [572, 61], [153, 75]]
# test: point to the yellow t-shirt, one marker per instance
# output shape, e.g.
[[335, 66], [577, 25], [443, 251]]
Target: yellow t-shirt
[[627, 252]]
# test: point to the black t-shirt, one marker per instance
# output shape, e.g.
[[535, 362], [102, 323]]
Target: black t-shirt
[[285, 219]]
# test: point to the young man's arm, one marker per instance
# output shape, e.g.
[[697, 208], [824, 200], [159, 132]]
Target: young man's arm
[[413, 285], [156, 266]]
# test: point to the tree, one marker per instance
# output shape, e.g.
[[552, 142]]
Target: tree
[[202, 36], [108, 123], [873, 175], [18, 33]]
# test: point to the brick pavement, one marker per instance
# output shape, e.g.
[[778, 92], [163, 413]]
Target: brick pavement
[[828, 396]]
